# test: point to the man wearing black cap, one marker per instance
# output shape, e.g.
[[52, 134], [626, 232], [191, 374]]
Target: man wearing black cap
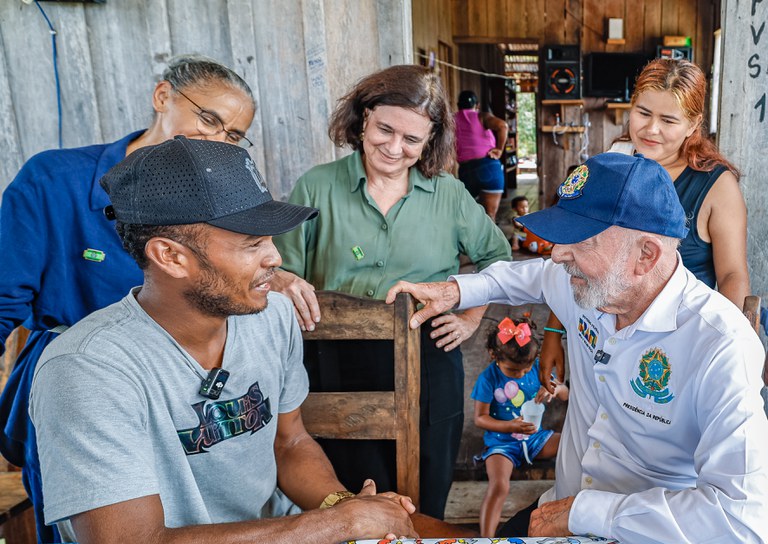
[[173, 415], [664, 437]]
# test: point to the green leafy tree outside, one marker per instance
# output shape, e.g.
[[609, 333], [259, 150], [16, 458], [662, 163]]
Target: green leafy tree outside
[[526, 125]]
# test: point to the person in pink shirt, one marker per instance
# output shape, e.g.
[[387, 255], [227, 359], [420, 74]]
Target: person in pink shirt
[[480, 140]]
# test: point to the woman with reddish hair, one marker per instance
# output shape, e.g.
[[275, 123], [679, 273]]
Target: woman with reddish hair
[[666, 123]]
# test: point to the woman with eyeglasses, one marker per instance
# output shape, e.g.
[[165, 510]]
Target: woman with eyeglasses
[[62, 258]]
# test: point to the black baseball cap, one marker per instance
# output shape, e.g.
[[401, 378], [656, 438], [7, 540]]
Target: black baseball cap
[[183, 181]]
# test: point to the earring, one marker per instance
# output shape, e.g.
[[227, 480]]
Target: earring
[[362, 135]]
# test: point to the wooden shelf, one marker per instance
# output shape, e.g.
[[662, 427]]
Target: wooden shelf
[[562, 129], [570, 102], [618, 110], [564, 104]]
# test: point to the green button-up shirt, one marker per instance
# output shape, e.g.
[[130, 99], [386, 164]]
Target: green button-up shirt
[[353, 248]]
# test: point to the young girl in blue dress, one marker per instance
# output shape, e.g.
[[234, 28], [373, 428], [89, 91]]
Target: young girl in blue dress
[[511, 379]]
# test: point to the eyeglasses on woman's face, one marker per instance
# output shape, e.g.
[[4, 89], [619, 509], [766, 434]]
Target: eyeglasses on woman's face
[[210, 124]]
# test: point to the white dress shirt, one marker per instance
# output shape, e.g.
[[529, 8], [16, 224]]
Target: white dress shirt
[[666, 440]]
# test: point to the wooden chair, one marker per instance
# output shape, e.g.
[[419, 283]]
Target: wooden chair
[[389, 415], [751, 310], [13, 346]]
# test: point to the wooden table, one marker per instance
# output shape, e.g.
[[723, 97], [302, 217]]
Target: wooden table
[[485, 540], [17, 520]]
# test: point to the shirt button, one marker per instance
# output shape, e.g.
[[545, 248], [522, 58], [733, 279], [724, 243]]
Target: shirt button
[[601, 378], [384, 226], [596, 445], [588, 480], [612, 341], [369, 292], [604, 416], [379, 263]]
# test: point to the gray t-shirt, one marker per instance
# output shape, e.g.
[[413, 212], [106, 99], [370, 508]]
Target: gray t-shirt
[[118, 415]]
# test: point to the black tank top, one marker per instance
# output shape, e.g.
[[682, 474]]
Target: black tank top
[[692, 186]]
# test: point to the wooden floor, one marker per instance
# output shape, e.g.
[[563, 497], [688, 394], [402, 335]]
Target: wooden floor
[[465, 498]]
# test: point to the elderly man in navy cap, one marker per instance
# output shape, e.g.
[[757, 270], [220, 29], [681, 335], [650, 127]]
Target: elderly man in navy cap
[[664, 439], [173, 414]]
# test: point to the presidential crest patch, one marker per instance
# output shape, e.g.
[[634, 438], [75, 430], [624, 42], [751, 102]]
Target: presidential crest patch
[[571, 187], [653, 378]]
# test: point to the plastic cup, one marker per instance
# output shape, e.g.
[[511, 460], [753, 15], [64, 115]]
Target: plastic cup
[[532, 412]]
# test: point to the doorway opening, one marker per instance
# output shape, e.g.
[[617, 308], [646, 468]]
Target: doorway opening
[[521, 65], [527, 150]]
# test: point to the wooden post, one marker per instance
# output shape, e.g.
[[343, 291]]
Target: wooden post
[[743, 119]]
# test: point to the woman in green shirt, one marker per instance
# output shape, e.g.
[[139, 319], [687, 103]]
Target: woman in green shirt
[[389, 212]]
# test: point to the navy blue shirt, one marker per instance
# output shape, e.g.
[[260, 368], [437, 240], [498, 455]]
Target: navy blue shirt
[[51, 213], [692, 187]]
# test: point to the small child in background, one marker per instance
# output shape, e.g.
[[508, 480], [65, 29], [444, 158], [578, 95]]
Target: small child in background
[[521, 236], [511, 379], [519, 206]]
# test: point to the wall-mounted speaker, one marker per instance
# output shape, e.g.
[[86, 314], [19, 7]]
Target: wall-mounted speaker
[[561, 72]]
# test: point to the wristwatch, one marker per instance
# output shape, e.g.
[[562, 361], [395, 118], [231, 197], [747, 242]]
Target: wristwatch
[[335, 498]]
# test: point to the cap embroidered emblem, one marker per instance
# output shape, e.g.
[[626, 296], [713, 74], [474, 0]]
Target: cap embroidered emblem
[[654, 373], [571, 187], [251, 166]]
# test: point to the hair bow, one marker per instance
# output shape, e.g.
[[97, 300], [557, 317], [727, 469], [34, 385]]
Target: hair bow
[[520, 332]]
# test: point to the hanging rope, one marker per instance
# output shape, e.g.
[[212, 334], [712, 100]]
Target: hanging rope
[[55, 68], [462, 69]]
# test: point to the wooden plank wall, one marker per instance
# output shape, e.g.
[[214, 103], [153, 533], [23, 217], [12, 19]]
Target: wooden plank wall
[[572, 22], [433, 25], [743, 123], [583, 21], [298, 56]]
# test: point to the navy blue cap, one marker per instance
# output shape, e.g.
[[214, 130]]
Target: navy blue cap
[[183, 181], [609, 189]]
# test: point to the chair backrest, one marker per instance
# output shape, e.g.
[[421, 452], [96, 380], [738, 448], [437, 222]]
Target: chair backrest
[[13, 346], [388, 415], [751, 310]]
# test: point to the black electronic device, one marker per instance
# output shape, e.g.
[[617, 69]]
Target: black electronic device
[[214, 383], [602, 357], [612, 75], [561, 72]]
